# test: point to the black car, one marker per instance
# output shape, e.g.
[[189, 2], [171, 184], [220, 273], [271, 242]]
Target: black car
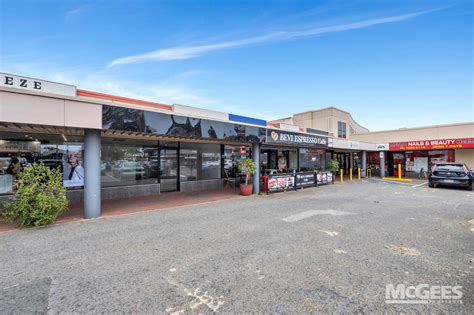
[[450, 174]]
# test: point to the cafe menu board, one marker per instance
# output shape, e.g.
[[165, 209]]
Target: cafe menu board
[[324, 178], [280, 182], [305, 179]]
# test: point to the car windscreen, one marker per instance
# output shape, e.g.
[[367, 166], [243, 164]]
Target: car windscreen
[[450, 168], [130, 164]]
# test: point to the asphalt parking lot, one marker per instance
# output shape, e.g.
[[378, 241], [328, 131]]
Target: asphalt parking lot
[[326, 249]]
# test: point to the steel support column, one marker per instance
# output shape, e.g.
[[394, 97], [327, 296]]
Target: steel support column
[[364, 164], [256, 159], [92, 207], [382, 163]]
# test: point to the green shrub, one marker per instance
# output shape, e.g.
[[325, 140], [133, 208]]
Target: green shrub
[[249, 167], [39, 199], [333, 166]]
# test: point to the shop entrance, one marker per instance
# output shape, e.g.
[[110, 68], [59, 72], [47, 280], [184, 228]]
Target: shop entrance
[[395, 158], [279, 160], [344, 160], [168, 169]]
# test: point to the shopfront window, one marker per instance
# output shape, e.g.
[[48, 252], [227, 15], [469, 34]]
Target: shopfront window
[[311, 159], [373, 162], [232, 156], [421, 161], [199, 161], [19, 150], [128, 162], [278, 160]]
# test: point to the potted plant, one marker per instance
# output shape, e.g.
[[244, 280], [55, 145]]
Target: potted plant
[[248, 167], [333, 167]]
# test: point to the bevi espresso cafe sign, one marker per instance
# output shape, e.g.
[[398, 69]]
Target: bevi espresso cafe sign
[[463, 143], [293, 138]]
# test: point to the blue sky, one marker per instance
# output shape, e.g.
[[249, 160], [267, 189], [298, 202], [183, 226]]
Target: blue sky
[[392, 64]]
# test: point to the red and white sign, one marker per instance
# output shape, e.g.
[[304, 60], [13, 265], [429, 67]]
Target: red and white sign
[[463, 143]]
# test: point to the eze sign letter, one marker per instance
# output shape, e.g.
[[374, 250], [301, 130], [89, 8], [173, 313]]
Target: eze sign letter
[[37, 85], [23, 83], [8, 80]]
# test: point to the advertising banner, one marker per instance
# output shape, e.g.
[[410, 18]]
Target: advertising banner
[[324, 178], [280, 182], [463, 143], [73, 171], [305, 179]]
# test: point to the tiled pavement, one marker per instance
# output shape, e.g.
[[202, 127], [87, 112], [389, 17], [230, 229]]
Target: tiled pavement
[[139, 204]]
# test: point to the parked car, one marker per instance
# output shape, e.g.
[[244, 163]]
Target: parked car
[[129, 170], [450, 174]]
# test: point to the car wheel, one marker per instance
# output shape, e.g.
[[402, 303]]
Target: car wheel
[[469, 187], [431, 185]]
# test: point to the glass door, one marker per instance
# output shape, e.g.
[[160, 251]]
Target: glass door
[[168, 169]]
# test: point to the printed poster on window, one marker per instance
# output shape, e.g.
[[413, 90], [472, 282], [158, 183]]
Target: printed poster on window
[[73, 169]]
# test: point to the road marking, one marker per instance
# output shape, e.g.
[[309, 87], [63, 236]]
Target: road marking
[[330, 233], [311, 213], [418, 185], [405, 251], [200, 298], [340, 251]]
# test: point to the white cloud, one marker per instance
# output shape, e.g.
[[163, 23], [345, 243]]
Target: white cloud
[[188, 52], [74, 12]]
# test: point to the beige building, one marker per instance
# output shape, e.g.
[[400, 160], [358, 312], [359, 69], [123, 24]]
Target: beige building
[[411, 139], [331, 120], [416, 149]]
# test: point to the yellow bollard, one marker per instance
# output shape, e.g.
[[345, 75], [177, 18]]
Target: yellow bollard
[[350, 174], [358, 172], [399, 171], [340, 172]]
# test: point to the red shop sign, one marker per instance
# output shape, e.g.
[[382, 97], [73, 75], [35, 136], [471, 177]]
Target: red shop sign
[[463, 143]]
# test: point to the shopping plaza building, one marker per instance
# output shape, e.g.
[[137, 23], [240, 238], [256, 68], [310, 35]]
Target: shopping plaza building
[[111, 146]]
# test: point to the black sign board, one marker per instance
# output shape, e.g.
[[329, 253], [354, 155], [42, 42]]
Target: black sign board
[[286, 137], [135, 120], [280, 182], [324, 178], [305, 179]]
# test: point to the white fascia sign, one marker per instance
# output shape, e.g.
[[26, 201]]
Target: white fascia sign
[[36, 85], [382, 147], [353, 144]]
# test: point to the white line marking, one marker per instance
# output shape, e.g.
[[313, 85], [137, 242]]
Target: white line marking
[[406, 301], [418, 185], [310, 213], [330, 233]]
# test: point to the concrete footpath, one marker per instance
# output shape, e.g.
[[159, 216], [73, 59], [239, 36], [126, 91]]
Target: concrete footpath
[[322, 250]]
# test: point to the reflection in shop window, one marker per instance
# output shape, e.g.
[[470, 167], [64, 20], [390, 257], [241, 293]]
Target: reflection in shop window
[[312, 159], [232, 156], [199, 161], [128, 162], [19, 150]]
